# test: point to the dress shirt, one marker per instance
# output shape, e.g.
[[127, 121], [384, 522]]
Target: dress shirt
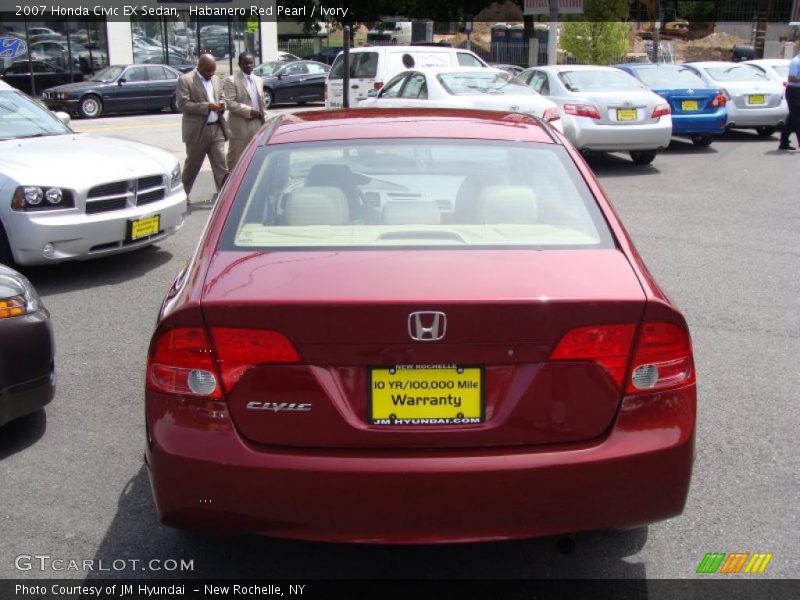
[[251, 87], [213, 117]]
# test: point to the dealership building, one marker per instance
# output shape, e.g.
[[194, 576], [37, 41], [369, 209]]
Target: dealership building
[[71, 43]]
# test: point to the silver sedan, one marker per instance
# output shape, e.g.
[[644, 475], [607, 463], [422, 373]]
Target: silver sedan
[[463, 87], [754, 100], [65, 195], [605, 109]]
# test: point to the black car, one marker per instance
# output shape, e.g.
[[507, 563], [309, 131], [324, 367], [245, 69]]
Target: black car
[[327, 55], [742, 53], [300, 81], [118, 88], [45, 74], [27, 364], [184, 65]]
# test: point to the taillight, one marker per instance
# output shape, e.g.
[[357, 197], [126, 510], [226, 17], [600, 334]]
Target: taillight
[[377, 85], [725, 93], [661, 110], [551, 114], [182, 363], [582, 110], [607, 345], [719, 101], [240, 349], [663, 359]]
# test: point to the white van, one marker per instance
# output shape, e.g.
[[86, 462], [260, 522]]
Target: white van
[[371, 67]]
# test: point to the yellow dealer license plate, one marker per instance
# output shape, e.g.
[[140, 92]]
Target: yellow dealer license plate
[[626, 114], [426, 395], [140, 228], [757, 100], [689, 105]]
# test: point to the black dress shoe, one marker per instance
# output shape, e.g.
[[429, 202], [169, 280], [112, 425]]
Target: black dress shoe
[[787, 147]]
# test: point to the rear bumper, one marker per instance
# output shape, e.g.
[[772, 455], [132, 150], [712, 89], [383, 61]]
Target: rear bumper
[[585, 134], [206, 477], [688, 124], [757, 117]]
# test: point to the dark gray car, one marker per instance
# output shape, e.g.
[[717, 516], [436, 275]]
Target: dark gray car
[[297, 82], [118, 88], [27, 364]]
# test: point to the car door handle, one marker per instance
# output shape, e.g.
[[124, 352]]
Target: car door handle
[[354, 87]]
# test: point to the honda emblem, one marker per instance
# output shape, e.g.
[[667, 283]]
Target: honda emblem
[[427, 326]]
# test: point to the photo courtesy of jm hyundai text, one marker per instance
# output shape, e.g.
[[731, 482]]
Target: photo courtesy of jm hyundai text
[[415, 326]]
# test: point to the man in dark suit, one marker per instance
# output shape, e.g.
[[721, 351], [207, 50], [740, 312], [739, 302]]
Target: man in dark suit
[[204, 128]]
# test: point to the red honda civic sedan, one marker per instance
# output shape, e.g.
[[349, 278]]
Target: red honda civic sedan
[[413, 326]]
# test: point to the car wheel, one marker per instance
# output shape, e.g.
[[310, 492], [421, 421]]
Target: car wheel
[[702, 140], [765, 131], [5, 249], [173, 104], [643, 157], [269, 98], [90, 107]]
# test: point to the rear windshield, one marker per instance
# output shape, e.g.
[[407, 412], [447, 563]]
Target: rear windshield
[[363, 65], [736, 73], [598, 81], [669, 77], [414, 194], [470, 83]]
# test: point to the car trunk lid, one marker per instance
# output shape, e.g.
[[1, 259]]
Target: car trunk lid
[[350, 317]]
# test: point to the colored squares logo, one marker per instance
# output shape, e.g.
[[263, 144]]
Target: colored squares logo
[[734, 562]]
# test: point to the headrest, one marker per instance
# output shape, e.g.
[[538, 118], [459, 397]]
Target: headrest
[[317, 206], [411, 212], [509, 204]]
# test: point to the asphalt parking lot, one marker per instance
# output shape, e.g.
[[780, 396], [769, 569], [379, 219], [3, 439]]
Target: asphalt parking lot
[[717, 226]]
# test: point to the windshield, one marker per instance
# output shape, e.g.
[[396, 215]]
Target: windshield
[[363, 65], [471, 83], [414, 193], [108, 74], [736, 73], [268, 68], [669, 77], [21, 117], [598, 81]]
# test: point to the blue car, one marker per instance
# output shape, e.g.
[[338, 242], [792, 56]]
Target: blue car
[[698, 111]]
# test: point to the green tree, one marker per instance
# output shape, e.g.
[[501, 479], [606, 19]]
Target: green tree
[[596, 42], [600, 35]]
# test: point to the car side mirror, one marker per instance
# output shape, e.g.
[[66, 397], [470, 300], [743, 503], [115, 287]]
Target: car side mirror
[[121, 81], [279, 75], [372, 94], [63, 117]]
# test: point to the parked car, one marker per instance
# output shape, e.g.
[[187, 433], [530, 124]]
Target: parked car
[[754, 100], [118, 88], [389, 308], [604, 109], [742, 53], [698, 110], [513, 69], [184, 65], [463, 87], [777, 69], [59, 52], [45, 75], [327, 55], [298, 82], [286, 57], [371, 67], [27, 371], [65, 195]]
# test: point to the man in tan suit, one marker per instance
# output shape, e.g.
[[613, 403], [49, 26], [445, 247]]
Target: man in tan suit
[[204, 127], [244, 95]]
